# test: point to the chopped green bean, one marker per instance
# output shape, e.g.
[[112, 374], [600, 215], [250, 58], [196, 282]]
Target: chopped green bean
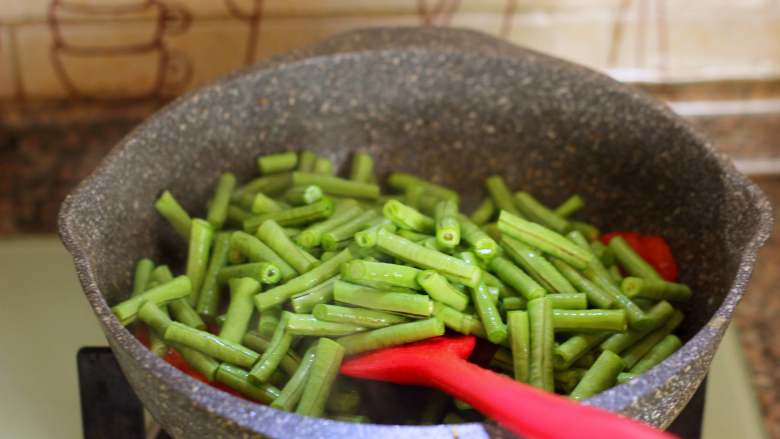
[[268, 321], [516, 278], [310, 237], [256, 251], [588, 230], [308, 325], [643, 346], [300, 195], [447, 224], [323, 166], [274, 237], [210, 345], [514, 303], [279, 162], [332, 239], [484, 212], [367, 297], [380, 274], [407, 217], [596, 296], [306, 301], [601, 376], [577, 301], [217, 212], [240, 310], [317, 275], [614, 273], [457, 321], [337, 186], [292, 391], [631, 261], [519, 341], [263, 272], [658, 314], [440, 290], [172, 211], [143, 273], [540, 269], [422, 257], [657, 354], [624, 377], [365, 318], [402, 181], [277, 349], [260, 204], [484, 246], [603, 253], [531, 208], [566, 380], [306, 161], [392, 336], [544, 239], [571, 205], [209, 292], [655, 289], [201, 235], [257, 343], [236, 215], [238, 380], [268, 184], [636, 317], [589, 320], [540, 319], [177, 288], [362, 168], [501, 195], [488, 313], [575, 347], [154, 317], [184, 312], [327, 360], [296, 216]]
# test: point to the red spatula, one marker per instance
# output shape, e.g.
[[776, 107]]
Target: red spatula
[[441, 362]]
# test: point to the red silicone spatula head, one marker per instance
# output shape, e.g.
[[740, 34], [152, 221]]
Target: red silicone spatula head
[[399, 364]]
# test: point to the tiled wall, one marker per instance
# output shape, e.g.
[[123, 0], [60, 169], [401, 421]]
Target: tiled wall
[[63, 49]]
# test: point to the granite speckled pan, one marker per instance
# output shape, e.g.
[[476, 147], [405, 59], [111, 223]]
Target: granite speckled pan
[[454, 106]]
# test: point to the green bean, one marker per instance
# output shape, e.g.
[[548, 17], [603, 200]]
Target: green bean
[[586, 360], [274, 237], [447, 224], [614, 273], [257, 343], [603, 253], [571, 205], [310, 237], [279, 162], [601, 376], [484, 212], [201, 235], [544, 239], [488, 313], [307, 161], [635, 353], [256, 251], [240, 310], [362, 168], [317, 275], [540, 269], [300, 195], [154, 317], [491, 281], [402, 181], [178, 288], [413, 236], [575, 347], [202, 363], [367, 238], [380, 274], [578, 301], [423, 200], [636, 317], [519, 340], [264, 272], [327, 360], [236, 257], [440, 290], [531, 208], [277, 349], [331, 239], [492, 230], [502, 360], [664, 348], [238, 380], [658, 314], [268, 184], [566, 380], [366, 297], [337, 186], [308, 325], [516, 278], [268, 321], [484, 246], [295, 216], [514, 303], [260, 204], [407, 217], [210, 344], [217, 211], [422, 257], [365, 318], [292, 391], [184, 312], [542, 341], [501, 195], [596, 296], [209, 292], [392, 336], [655, 289], [588, 230], [457, 321], [645, 304], [589, 320], [323, 166], [624, 377], [631, 261], [236, 215], [172, 211], [306, 301], [143, 272]]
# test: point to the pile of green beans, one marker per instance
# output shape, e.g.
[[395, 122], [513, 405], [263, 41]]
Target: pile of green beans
[[288, 273]]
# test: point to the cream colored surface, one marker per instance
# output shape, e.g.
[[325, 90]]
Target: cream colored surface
[[44, 320]]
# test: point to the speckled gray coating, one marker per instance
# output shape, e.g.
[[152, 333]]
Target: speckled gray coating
[[454, 106]]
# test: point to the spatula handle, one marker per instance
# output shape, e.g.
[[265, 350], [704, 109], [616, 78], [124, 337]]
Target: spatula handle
[[527, 411]]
